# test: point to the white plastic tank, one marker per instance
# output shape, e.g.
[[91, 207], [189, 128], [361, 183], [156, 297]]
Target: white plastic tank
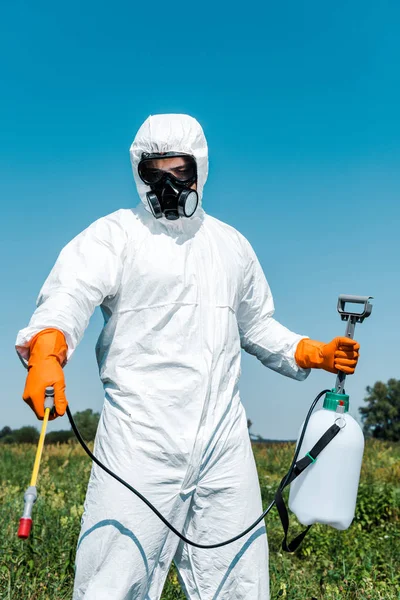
[[326, 491]]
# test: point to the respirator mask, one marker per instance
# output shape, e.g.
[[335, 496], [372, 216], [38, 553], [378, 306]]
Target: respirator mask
[[170, 175]]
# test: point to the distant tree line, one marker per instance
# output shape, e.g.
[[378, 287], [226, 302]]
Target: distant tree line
[[380, 417], [86, 421]]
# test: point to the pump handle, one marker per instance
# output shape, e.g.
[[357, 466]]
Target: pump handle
[[358, 317], [352, 318]]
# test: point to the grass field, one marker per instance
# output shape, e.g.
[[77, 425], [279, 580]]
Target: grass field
[[360, 563]]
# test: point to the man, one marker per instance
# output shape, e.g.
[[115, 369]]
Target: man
[[180, 292]]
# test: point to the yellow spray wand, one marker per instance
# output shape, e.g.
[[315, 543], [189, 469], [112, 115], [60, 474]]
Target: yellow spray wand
[[25, 523]]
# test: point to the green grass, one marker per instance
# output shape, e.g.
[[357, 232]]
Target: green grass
[[360, 563]]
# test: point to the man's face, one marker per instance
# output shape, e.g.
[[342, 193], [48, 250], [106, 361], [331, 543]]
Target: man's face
[[176, 165]]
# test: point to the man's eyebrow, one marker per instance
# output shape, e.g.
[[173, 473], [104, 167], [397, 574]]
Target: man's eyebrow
[[184, 164]]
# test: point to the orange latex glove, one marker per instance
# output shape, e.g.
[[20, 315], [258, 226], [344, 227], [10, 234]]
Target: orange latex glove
[[48, 354], [341, 354]]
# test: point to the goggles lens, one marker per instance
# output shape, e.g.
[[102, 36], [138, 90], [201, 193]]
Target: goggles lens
[[181, 167]]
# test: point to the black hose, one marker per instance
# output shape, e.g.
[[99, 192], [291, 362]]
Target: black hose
[[153, 508], [161, 517]]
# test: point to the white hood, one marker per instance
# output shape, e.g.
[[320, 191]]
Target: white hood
[[170, 133]]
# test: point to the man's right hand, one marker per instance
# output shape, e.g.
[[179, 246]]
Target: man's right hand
[[48, 352]]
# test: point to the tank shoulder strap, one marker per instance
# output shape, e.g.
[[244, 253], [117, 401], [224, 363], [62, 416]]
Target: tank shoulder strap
[[294, 472]]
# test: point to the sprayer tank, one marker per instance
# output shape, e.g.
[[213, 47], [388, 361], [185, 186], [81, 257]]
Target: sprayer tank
[[326, 492]]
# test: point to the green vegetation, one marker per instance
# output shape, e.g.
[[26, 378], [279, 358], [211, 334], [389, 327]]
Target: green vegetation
[[360, 563]]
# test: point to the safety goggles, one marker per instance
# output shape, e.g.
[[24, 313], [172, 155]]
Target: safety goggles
[[151, 169]]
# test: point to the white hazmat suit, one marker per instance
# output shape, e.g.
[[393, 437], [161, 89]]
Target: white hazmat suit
[[179, 299]]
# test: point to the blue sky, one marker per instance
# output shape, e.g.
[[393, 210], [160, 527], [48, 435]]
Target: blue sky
[[300, 106]]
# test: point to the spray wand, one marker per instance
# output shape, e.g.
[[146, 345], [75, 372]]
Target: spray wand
[[30, 496]]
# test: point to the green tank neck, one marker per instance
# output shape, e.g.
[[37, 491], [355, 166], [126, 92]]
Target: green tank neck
[[333, 400]]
